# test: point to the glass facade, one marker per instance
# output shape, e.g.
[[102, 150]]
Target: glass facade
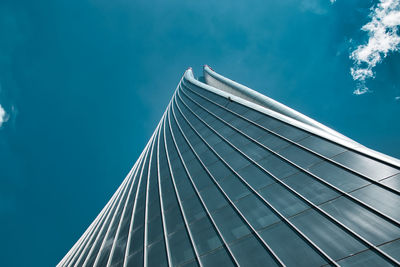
[[227, 181]]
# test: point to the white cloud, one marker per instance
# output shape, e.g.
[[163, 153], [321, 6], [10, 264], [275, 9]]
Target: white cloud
[[333, 1], [383, 38], [3, 116], [397, 98]]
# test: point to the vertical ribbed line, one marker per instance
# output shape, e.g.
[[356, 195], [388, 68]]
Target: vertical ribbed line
[[150, 146], [132, 221], [198, 194], [101, 252], [160, 196], [99, 220], [363, 240], [145, 241], [96, 242], [178, 197], [269, 250], [90, 241]]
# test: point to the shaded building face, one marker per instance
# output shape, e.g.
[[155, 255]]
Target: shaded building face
[[231, 177]]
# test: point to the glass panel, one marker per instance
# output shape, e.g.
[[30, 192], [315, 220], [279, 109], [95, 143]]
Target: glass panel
[[365, 223], [265, 120], [310, 188], [230, 224], [218, 257], [325, 234], [156, 255], [289, 247], [283, 200], [219, 170], [321, 146], [393, 249], [180, 246], [277, 166], [291, 132], [366, 258], [256, 212], [135, 259], [173, 219], [381, 199], [154, 231], [204, 235], [337, 176], [191, 263], [213, 198], [255, 151], [393, 182], [234, 188], [255, 176], [193, 209], [273, 142], [365, 165], [250, 252], [299, 156]]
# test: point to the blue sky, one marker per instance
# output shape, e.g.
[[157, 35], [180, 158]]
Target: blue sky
[[84, 83]]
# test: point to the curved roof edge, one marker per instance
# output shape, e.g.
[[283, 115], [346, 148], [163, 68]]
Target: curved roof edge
[[227, 88]]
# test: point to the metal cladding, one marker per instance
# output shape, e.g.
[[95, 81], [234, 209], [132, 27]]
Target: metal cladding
[[232, 177]]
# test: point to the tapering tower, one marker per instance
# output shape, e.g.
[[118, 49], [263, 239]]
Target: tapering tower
[[232, 177]]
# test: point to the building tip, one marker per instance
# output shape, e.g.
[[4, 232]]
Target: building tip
[[207, 66]]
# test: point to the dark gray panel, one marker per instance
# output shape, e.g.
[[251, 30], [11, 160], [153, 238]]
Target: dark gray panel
[[256, 212], [233, 187], [156, 255], [289, 247], [392, 248], [381, 199], [370, 226], [310, 188], [321, 146], [284, 201], [181, 249], [217, 258], [325, 234], [204, 236], [365, 165], [299, 156], [230, 224], [255, 176], [393, 182], [249, 252], [337, 176], [365, 258]]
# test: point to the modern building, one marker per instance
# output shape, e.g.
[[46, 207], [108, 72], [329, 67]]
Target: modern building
[[232, 177]]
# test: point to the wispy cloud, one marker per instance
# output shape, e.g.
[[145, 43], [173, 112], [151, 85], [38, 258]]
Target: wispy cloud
[[3, 116], [383, 38]]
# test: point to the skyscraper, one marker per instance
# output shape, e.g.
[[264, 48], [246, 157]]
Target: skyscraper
[[232, 177]]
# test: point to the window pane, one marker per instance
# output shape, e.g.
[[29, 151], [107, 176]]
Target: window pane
[[204, 235], [284, 201], [230, 224], [219, 257], [366, 258], [289, 247], [326, 235], [250, 252], [310, 188], [367, 224], [337, 176], [365, 165], [256, 212], [181, 248]]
